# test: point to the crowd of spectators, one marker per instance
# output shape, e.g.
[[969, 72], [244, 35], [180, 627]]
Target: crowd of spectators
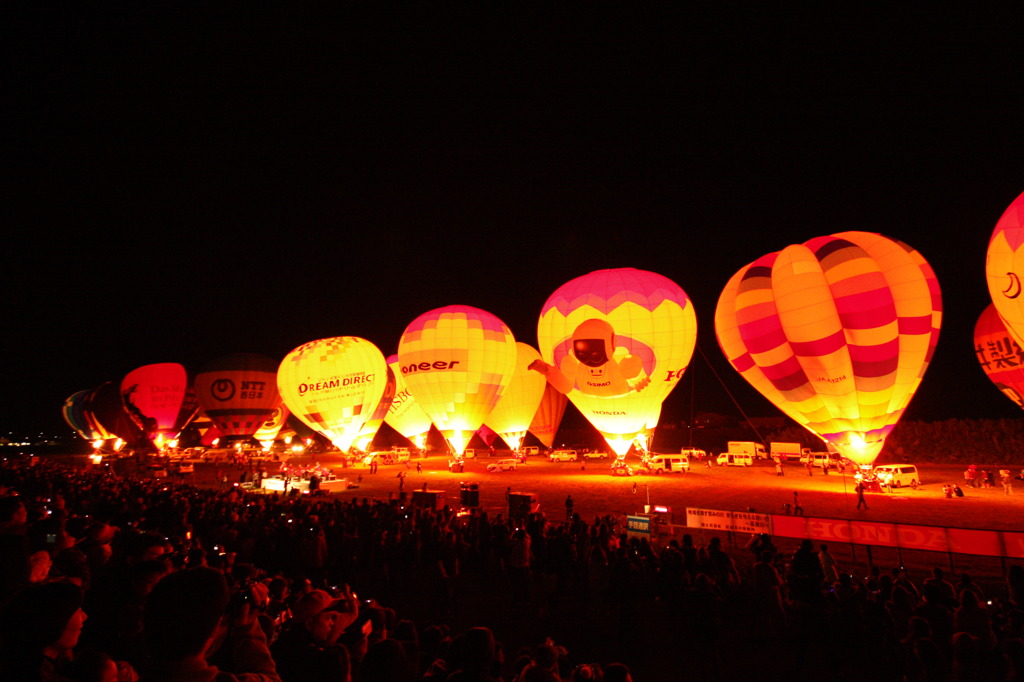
[[108, 577]]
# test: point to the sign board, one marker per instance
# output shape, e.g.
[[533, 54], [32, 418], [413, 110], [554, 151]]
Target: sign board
[[739, 522], [638, 527]]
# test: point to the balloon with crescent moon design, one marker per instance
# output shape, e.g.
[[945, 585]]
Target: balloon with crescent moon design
[[1004, 265], [837, 332]]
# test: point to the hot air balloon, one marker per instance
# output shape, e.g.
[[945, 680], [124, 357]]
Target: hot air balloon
[[238, 393], [836, 332], [333, 385], [372, 425], [405, 415], [512, 415], [160, 400], [616, 342], [457, 362], [1004, 268], [549, 415], [272, 425], [74, 414], [1000, 355], [105, 410]]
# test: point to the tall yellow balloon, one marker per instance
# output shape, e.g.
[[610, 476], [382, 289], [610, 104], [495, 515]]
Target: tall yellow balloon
[[333, 385], [617, 342], [457, 362], [836, 332], [511, 417], [1004, 268]]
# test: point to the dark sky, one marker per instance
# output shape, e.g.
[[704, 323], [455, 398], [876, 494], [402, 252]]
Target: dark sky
[[186, 184]]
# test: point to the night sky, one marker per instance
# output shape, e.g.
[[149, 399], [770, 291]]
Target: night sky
[[186, 184]]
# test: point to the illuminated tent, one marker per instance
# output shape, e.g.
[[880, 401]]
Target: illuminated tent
[[512, 415], [1000, 355], [160, 400], [836, 332], [617, 342], [238, 392], [549, 415], [372, 425], [333, 385], [405, 415], [457, 362], [1004, 267]]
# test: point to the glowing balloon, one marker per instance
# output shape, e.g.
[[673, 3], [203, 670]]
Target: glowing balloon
[[333, 385], [549, 415], [238, 392], [272, 425], [1000, 356], [405, 415], [836, 332], [457, 362], [372, 425], [512, 415], [75, 416], [1004, 267], [105, 410], [617, 342], [160, 400]]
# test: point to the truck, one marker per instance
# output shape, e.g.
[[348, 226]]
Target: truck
[[785, 451], [747, 447]]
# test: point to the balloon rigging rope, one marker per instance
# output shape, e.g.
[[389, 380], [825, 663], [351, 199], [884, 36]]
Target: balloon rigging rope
[[729, 393]]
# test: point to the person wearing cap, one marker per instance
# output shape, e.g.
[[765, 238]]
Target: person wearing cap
[[39, 627], [308, 646]]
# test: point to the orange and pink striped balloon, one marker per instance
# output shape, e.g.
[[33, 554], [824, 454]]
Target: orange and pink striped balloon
[[837, 332]]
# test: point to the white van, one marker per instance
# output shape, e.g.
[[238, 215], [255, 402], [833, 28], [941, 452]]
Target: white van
[[898, 475], [734, 459], [529, 450], [503, 465], [563, 456], [660, 464]]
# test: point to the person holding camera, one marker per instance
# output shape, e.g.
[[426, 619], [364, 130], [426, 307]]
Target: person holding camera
[[308, 647]]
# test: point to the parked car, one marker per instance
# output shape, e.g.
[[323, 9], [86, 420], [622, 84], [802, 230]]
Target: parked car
[[734, 459], [595, 454], [563, 456], [503, 465]]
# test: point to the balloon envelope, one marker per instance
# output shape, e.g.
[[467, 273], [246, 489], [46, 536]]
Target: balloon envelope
[[238, 392], [333, 385], [549, 415], [511, 416], [1000, 355], [457, 362], [1004, 268], [836, 332], [405, 414], [372, 425], [617, 342], [74, 414], [160, 400]]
